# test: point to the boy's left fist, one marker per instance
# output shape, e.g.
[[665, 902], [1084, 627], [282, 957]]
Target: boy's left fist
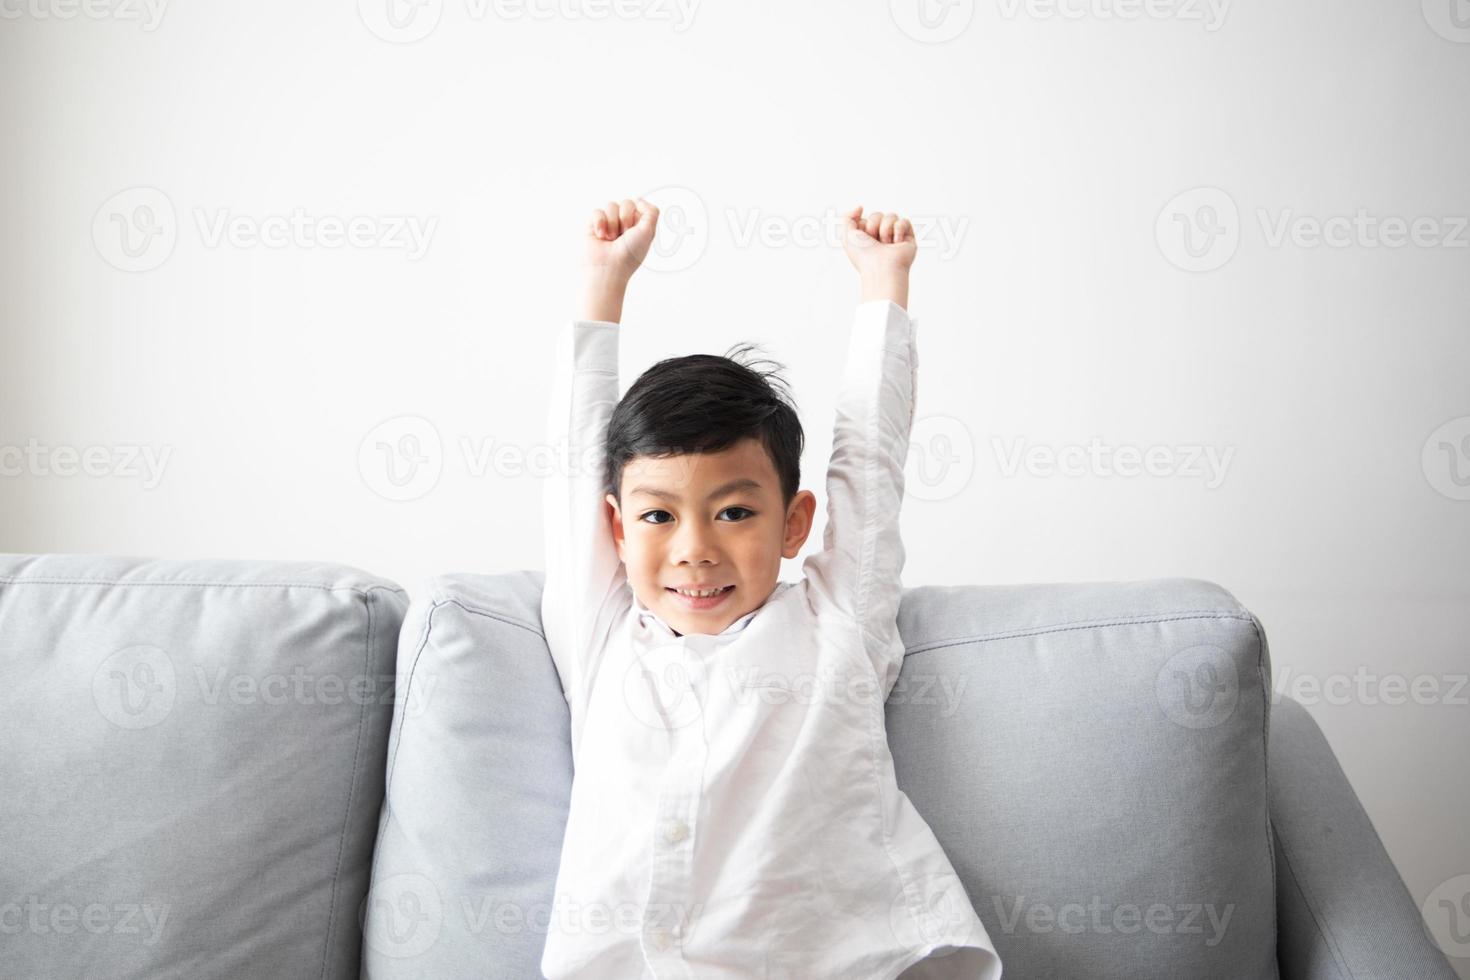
[[618, 237], [880, 243]]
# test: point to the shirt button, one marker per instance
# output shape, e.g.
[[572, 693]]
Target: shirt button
[[676, 831], [660, 939]]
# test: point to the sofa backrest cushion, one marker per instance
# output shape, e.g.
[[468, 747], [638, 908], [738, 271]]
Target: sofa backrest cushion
[[1092, 757], [192, 766]]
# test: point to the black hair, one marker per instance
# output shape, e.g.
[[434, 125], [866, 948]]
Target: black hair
[[705, 403]]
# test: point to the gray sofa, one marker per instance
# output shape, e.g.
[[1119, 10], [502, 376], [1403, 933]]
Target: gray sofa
[[285, 769]]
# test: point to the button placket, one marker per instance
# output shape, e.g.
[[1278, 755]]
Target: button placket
[[671, 865]]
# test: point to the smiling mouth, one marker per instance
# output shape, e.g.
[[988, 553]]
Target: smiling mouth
[[698, 602]]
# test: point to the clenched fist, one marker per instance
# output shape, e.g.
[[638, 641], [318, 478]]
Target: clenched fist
[[618, 237]]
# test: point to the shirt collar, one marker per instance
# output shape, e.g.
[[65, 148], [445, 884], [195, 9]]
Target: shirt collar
[[647, 616]]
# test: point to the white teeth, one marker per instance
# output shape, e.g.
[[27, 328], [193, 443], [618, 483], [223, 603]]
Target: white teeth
[[700, 595]]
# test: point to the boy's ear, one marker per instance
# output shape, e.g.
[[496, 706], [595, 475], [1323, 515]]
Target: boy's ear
[[615, 516], [799, 519]]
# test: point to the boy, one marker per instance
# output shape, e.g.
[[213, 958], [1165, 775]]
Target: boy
[[734, 811]]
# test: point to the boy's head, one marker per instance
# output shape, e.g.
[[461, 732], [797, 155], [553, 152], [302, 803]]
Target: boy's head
[[703, 462]]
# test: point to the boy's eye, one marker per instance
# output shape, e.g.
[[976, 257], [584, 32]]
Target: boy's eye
[[645, 517]]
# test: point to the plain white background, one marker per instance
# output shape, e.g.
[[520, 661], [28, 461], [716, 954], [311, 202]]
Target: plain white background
[[280, 281]]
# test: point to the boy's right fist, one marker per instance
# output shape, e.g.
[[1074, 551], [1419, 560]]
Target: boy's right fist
[[618, 237]]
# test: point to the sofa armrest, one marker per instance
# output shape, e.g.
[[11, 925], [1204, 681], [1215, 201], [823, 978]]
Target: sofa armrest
[[1342, 909]]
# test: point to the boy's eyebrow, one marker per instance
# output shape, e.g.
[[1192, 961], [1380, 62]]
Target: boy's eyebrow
[[743, 483]]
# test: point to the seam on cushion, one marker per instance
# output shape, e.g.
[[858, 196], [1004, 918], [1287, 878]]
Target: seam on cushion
[[386, 822], [491, 614], [407, 690], [1322, 929], [1263, 674], [367, 658], [1065, 627], [11, 580]]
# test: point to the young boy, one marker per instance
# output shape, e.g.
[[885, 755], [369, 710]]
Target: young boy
[[734, 811]]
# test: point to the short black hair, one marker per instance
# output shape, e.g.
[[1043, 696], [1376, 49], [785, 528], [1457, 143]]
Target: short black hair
[[706, 403]]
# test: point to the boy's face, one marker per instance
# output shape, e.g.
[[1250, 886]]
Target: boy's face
[[683, 524]]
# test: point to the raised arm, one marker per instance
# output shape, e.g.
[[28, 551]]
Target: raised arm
[[858, 571], [582, 566]]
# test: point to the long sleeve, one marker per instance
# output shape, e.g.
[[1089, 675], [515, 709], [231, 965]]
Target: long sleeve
[[858, 571], [582, 565]]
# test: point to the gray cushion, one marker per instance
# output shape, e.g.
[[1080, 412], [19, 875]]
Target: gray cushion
[[192, 766], [1093, 756], [479, 779]]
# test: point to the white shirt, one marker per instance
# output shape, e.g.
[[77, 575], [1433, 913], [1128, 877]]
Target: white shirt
[[734, 811]]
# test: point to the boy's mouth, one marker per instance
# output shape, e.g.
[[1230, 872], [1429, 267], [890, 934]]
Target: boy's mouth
[[696, 600]]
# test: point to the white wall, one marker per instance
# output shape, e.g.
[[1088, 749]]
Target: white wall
[[1052, 161]]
